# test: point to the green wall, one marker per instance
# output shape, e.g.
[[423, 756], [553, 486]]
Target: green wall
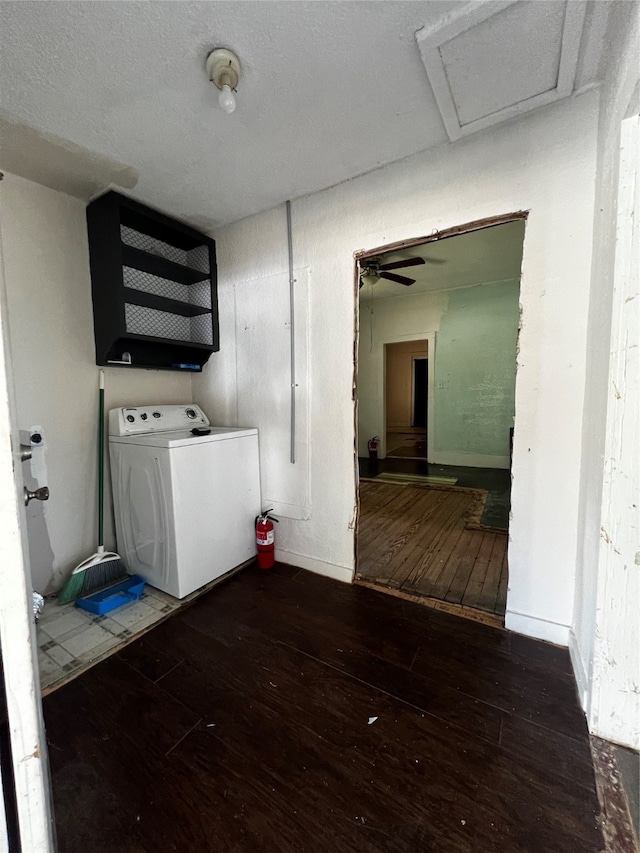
[[475, 368]]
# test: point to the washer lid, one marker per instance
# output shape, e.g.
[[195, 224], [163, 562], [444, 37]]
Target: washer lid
[[182, 437]]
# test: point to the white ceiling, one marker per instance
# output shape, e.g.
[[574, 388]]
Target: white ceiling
[[489, 255], [330, 90]]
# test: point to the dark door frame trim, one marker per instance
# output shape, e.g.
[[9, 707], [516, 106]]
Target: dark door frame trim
[[475, 225]]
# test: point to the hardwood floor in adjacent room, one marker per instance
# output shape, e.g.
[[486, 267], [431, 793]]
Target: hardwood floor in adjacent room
[[408, 444], [495, 481], [416, 540], [285, 712]]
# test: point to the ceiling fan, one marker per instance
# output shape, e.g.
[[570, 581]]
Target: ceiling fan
[[373, 269]]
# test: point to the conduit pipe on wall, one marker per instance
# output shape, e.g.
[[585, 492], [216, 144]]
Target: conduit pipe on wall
[[292, 326]]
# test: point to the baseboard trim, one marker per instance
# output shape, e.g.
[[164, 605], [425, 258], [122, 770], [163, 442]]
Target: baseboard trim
[[579, 672], [540, 629], [468, 460], [330, 570]]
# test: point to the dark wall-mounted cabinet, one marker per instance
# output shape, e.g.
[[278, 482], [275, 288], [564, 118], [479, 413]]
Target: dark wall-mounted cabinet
[[154, 287]]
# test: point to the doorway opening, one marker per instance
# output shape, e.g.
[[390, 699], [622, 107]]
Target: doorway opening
[[406, 392], [419, 392], [436, 373]]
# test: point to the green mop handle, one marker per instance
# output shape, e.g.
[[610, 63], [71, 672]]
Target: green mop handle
[[101, 462]]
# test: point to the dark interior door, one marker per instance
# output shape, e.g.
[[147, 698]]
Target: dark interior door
[[420, 380]]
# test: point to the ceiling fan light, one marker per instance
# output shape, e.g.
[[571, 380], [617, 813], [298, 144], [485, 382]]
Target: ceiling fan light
[[369, 277]]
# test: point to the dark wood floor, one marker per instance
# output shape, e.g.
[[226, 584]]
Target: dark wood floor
[[415, 539], [409, 444], [246, 723]]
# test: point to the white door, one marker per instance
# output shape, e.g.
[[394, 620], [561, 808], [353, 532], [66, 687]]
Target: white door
[[17, 631]]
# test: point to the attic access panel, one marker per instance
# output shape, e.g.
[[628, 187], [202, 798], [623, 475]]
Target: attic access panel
[[490, 62]]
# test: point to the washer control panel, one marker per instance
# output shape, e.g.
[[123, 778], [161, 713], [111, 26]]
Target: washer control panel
[[134, 420]]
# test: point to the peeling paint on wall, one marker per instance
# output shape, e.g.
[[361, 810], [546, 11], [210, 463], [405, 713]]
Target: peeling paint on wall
[[475, 370], [607, 584]]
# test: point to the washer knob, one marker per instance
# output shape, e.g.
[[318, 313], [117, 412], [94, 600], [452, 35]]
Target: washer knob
[[144, 416], [191, 414], [157, 415], [130, 418]]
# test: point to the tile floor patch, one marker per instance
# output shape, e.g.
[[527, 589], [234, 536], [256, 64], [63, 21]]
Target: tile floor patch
[[63, 624], [84, 642], [158, 602], [60, 655], [111, 625], [134, 614], [49, 669], [99, 650], [70, 639]]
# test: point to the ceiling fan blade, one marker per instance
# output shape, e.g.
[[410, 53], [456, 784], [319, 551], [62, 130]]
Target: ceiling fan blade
[[434, 261], [400, 279], [396, 265]]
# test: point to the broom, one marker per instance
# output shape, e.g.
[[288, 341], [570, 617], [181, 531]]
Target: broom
[[104, 567]]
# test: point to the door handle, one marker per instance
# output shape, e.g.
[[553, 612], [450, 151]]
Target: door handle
[[41, 494], [25, 452]]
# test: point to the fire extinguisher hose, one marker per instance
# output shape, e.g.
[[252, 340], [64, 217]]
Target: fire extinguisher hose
[[260, 519]]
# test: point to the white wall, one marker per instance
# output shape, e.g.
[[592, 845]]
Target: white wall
[[46, 264], [471, 403], [605, 640], [409, 317], [402, 360], [544, 163]]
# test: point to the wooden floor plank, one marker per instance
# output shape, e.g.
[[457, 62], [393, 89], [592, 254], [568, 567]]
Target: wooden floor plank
[[427, 569], [451, 558], [489, 594], [400, 538], [481, 568], [501, 599], [425, 542], [386, 521], [415, 538], [464, 570], [284, 712], [473, 589], [471, 613]]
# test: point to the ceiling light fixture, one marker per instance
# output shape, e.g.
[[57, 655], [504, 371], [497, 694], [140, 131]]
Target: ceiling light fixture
[[224, 72], [368, 276]]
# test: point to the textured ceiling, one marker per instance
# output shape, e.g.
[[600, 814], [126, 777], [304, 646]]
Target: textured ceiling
[[491, 254], [330, 90]]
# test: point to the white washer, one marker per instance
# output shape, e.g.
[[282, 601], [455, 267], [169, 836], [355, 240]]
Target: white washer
[[185, 505]]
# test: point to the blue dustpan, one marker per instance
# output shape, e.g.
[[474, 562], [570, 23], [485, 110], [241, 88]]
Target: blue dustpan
[[113, 596]]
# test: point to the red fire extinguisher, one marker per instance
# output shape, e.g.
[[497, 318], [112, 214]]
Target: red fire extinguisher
[[373, 447], [265, 540]]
